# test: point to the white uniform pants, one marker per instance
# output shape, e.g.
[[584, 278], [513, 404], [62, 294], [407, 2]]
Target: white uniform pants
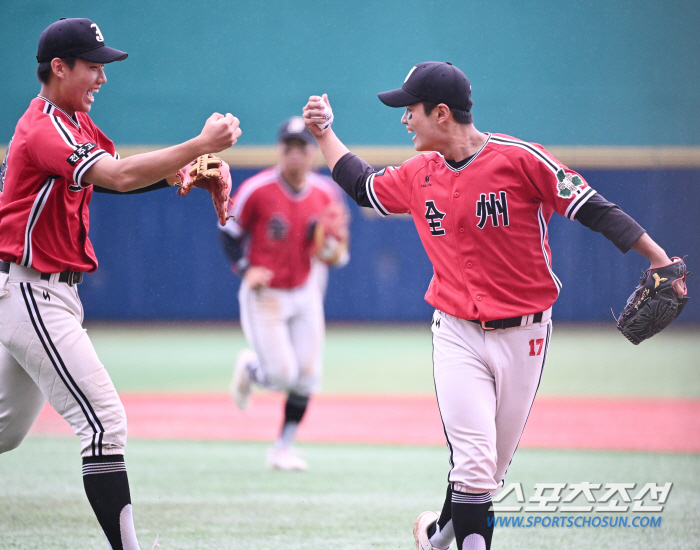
[[286, 328], [485, 382], [46, 354]]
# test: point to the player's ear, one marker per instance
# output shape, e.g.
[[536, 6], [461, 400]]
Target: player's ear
[[58, 68], [443, 112]]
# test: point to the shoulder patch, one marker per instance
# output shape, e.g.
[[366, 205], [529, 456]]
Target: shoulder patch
[[81, 152], [568, 184]]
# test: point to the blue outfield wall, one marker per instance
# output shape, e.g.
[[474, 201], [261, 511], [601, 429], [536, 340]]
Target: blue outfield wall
[[160, 257]]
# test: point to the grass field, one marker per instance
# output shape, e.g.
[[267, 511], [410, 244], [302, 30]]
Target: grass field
[[218, 494], [582, 361]]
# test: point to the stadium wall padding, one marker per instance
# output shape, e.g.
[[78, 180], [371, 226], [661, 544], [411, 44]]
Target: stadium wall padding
[[160, 257]]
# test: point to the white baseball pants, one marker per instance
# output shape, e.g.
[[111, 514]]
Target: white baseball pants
[[46, 354], [286, 328], [485, 381]]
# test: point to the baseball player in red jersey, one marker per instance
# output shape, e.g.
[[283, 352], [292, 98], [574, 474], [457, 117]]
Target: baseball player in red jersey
[[481, 203], [56, 158], [270, 243]]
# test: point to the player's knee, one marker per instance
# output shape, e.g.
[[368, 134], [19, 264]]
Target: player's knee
[[283, 378]]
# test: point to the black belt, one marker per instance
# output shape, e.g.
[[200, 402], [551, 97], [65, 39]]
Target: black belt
[[511, 322], [71, 277]]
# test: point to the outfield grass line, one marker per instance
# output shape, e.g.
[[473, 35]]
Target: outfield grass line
[[660, 425]]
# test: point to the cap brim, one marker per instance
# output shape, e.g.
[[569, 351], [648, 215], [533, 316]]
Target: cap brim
[[105, 54], [398, 98]]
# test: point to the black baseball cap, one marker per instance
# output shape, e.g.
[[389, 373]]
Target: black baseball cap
[[432, 81], [79, 38], [294, 128]]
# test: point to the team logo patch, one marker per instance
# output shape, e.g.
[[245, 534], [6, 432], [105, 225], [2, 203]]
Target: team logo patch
[[493, 208], [277, 227], [81, 152], [434, 217], [569, 184]]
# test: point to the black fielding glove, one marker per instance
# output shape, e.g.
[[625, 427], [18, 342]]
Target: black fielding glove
[[654, 304]]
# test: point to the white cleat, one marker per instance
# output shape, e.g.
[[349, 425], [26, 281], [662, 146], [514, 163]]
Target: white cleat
[[284, 458], [241, 384], [420, 530]]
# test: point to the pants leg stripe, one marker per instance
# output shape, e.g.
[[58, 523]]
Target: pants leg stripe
[[447, 439], [251, 319], [61, 369], [544, 360]]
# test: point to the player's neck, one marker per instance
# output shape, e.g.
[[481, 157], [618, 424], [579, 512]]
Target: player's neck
[[53, 94], [461, 142], [295, 181]]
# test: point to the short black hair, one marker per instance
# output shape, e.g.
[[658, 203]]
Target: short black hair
[[43, 71], [461, 116]]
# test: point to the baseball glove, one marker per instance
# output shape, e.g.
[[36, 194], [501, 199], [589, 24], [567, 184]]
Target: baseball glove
[[331, 234], [654, 303], [211, 174]]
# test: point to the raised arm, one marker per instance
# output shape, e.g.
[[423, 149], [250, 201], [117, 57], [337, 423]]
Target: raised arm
[[220, 132], [348, 170], [331, 147]]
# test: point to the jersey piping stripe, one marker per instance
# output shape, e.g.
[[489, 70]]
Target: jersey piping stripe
[[553, 166], [34, 213], [87, 163], [63, 131], [54, 106], [231, 228], [245, 192], [70, 140], [579, 202], [543, 238], [470, 161], [376, 203], [60, 367]]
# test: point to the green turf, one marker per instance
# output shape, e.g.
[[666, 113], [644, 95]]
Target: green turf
[[582, 361], [218, 495]]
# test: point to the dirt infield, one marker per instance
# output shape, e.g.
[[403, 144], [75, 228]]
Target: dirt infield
[[559, 423]]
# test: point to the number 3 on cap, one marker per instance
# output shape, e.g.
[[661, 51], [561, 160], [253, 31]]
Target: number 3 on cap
[[539, 342], [99, 36]]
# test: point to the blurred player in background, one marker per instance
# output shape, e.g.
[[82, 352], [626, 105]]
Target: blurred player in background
[[290, 223], [55, 160]]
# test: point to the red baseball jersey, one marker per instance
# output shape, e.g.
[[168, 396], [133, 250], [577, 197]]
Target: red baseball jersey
[[44, 217], [484, 225], [276, 223]]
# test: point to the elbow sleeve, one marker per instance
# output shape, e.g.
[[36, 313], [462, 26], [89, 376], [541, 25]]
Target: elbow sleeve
[[351, 173], [607, 218]]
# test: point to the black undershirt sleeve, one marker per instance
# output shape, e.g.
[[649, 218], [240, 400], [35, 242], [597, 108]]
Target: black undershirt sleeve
[[235, 252], [607, 218], [351, 173], [162, 184]]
